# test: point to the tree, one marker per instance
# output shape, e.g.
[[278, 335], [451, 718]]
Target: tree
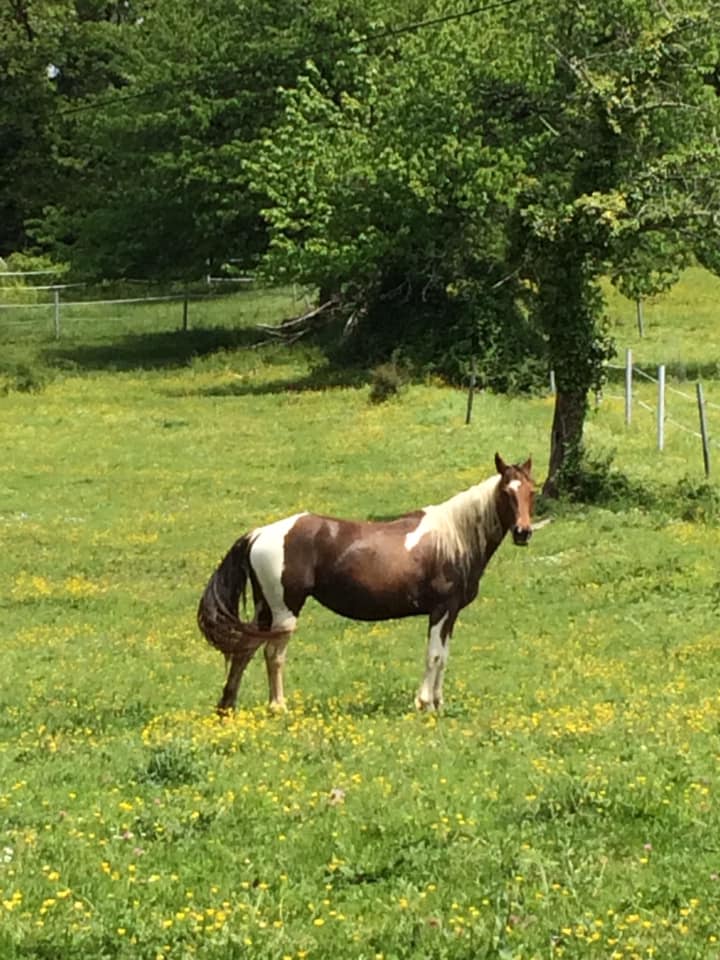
[[481, 158], [622, 181], [52, 53], [162, 184], [395, 194]]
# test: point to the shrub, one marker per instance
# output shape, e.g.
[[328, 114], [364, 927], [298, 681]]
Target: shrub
[[385, 383], [700, 501], [591, 478], [23, 378]]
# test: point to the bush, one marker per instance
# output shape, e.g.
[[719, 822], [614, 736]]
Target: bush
[[23, 378], [385, 383], [587, 478], [700, 501]]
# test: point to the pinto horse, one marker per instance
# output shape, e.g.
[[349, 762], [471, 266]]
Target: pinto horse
[[427, 562]]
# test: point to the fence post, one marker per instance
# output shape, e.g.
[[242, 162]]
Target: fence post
[[703, 428], [471, 391], [661, 407], [639, 311], [56, 300], [628, 387], [553, 388], [185, 310]]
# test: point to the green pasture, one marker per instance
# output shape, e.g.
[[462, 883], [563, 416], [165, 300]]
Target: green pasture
[[680, 327], [564, 804]]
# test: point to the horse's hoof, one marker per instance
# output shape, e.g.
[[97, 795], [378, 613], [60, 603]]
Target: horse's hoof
[[422, 706], [277, 706]]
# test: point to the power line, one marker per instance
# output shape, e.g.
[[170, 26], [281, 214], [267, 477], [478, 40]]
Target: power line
[[388, 34], [435, 21]]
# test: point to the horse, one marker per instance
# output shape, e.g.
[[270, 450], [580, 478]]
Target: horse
[[426, 562]]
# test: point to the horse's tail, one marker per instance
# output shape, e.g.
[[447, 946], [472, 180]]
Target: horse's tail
[[218, 613]]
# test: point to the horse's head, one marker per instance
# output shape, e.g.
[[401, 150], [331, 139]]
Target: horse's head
[[516, 494]]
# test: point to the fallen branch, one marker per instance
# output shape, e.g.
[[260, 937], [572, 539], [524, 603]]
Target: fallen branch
[[292, 329]]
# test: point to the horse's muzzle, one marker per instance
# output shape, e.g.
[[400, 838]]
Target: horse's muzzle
[[521, 535]]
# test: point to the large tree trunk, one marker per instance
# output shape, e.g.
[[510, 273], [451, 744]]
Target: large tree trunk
[[566, 434]]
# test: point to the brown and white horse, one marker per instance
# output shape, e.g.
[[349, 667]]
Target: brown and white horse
[[426, 562]]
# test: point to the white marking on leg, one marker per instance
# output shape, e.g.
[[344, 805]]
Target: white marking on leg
[[435, 660], [267, 558], [275, 661]]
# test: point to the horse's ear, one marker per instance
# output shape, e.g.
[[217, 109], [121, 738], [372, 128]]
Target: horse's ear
[[500, 464], [527, 466]]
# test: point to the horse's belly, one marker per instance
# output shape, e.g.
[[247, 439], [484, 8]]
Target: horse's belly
[[359, 602]]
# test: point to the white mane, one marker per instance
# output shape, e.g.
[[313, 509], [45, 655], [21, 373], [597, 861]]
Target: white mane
[[460, 526]]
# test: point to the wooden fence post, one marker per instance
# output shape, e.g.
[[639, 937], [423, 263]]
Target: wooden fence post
[[185, 310], [56, 299], [628, 387], [471, 391], [703, 428], [661, 407]]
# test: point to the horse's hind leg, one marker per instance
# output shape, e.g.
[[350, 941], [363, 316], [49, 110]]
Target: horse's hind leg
[[236, 667], [275, 653]]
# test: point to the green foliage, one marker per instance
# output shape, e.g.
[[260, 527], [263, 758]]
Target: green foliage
[[562, 152], [385, 383], [162, 154], [53, 55], [701, 500], [590, 477], [174, 763], [23, 377]]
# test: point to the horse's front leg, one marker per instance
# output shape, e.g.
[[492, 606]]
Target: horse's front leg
[[430, 694]]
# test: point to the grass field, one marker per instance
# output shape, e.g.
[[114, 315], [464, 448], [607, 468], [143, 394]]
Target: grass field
[[564, 805]]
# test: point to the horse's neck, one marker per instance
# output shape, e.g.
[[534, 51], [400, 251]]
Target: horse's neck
[[493, 541], [475, 513]]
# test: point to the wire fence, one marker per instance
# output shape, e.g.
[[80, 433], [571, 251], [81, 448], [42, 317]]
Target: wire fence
[[77, 311], [699, 403]]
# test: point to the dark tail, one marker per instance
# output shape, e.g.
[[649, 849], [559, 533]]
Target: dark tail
[[218, 613]]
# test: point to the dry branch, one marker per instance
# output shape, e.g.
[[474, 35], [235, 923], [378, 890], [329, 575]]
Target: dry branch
[[293, 328]]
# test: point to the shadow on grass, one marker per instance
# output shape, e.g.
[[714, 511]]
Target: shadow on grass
[[150, 351], [178, 348], [325, 377]]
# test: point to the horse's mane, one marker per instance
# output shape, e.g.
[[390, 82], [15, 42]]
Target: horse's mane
[[462, 525]]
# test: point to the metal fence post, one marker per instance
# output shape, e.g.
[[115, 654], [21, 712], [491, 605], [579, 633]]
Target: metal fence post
[[703, 428], [628, 387], [661, 407]]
